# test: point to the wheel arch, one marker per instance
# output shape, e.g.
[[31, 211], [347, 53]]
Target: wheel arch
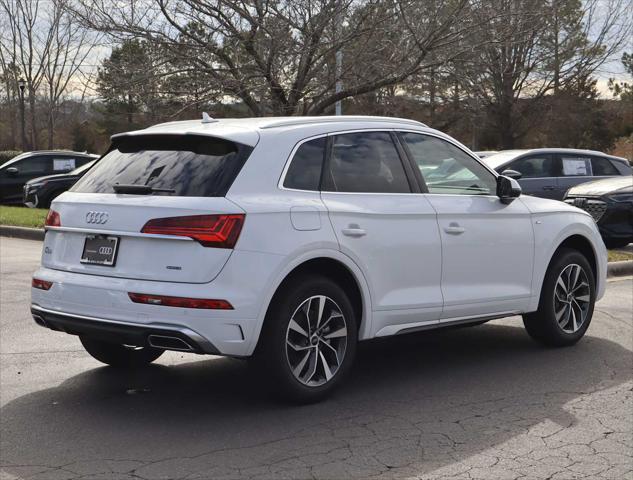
[[574, 239], [332, 264], [583, 245]]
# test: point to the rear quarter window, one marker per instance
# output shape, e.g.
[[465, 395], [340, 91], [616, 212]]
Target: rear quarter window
[[191, 165]]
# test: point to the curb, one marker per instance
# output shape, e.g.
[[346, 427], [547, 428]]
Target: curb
[[22, 232], [620, 269], [614, 269]]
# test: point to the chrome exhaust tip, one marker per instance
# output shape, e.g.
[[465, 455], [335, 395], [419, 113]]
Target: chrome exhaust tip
[[169, 343]]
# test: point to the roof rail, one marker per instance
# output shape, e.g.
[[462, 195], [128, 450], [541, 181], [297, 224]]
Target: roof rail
[[338, 119]]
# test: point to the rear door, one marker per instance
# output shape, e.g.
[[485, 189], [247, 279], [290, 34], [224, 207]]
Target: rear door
[[386, 226], [539, 175], [180, 233], [575, 169]]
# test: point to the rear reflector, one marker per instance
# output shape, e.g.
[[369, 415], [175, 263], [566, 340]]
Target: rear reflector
[[180, 301], [53, 219], [41, 284], [219, 231]]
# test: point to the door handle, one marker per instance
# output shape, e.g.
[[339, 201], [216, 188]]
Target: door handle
[[454, 229], [354, 231], [549, 187]]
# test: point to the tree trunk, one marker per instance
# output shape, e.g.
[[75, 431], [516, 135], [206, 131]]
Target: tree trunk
[[51, 128], [34, 144]]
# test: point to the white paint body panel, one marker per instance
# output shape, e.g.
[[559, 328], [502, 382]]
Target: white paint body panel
[[409, 271]]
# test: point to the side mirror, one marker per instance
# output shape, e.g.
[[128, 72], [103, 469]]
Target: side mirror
[[12, 171], [512, 174], [507, 189]]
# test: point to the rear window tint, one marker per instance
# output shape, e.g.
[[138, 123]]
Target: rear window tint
[[603, 167], [193, 166], [304, 172], [366, 162]]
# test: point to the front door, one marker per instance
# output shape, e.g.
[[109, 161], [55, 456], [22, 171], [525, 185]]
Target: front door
[[539, 175], [487, 246]]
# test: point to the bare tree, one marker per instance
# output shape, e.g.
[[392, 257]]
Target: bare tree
[[48, 47], [278, 56], [539, 47]]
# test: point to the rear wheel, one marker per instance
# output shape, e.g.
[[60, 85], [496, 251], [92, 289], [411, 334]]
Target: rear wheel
[[118, 355], [566, 303], [309, 339]]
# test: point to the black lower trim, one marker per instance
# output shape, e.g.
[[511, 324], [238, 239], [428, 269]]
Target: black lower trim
[[122, 333]]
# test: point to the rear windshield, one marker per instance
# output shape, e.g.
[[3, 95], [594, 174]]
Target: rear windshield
[[190, 165]]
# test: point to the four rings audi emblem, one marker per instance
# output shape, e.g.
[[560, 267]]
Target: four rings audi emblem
[[97, 217]]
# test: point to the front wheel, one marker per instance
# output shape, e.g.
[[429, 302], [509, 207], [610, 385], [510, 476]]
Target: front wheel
[[566, 303], [118, 355], [309, 339]]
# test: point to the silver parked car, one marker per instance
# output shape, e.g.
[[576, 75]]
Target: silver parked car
[[550, 172]]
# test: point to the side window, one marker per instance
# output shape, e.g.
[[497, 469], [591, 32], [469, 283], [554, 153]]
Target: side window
[[574, 166], [366, 162], [64, 164], [534, 167], [446, 168], [35, 166], [305, 168], [603, 167]]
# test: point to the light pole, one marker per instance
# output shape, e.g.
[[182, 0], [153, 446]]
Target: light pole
[[21, 85]]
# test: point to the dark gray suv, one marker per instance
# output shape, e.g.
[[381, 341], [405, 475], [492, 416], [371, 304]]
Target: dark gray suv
[[19, 170], [550, 172]]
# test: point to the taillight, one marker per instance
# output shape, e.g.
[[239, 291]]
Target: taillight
[[41, 284], [220, 231], [53, 219], [184, 302]]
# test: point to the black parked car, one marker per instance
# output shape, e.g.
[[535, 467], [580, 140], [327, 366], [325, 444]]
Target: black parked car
[[41, 191], [610, 202], [19, 170]]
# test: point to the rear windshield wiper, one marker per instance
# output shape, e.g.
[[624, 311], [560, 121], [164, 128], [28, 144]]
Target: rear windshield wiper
[[140, 189]]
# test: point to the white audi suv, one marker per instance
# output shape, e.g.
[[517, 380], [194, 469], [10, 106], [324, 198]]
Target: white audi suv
[[288, 240]]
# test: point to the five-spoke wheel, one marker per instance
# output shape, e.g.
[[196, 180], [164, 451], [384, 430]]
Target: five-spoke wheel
[[316, 340], [309, 338], [572, 298], [566, 303]]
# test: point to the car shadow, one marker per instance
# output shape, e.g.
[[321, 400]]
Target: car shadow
[[415, 402]]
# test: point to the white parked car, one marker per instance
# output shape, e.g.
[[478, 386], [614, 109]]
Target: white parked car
[[289, 240]]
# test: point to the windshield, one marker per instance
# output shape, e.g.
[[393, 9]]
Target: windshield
[[181, 165], [501, 158]]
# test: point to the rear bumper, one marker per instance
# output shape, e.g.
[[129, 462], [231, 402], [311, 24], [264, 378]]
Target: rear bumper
[[170, 337], [232, 332]]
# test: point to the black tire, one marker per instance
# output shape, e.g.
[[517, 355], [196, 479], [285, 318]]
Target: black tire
[[543, 325], [271, 357], [612, 243], [120, 356]]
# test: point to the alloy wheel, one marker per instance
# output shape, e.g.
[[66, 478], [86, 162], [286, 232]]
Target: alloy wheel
[[316, 341], [572, 298]]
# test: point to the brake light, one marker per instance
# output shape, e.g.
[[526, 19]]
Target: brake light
[[184, 302], [219, 231], [53, 219], [41, 284]]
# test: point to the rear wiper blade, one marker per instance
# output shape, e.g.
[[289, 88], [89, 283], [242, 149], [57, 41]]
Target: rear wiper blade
[[140, 189]]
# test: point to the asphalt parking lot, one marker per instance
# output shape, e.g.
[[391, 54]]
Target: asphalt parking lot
[[482, 402]]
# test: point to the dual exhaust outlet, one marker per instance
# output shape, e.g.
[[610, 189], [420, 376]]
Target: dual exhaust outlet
[[165, 342]]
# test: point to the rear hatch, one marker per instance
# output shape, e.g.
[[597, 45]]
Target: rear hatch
[[153, 208]]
